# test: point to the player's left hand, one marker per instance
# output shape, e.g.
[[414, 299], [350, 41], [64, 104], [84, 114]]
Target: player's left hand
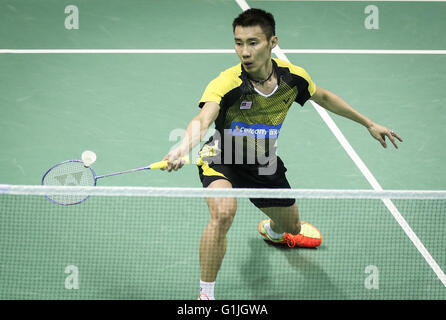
[[380, 133]]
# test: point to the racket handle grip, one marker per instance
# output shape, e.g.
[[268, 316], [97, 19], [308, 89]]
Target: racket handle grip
[[163, 164]]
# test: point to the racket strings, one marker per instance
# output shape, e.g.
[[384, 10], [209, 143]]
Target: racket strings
[[69, 173]]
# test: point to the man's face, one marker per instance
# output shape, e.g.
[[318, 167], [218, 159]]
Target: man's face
[[253, 48]]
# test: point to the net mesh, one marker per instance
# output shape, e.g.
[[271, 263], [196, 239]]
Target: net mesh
[[143, 243]]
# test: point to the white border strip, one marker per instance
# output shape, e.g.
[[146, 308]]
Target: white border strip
[[348, 1], [367, 174], [216, 51]]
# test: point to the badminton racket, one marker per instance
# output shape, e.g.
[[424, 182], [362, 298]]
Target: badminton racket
[[77, 173]]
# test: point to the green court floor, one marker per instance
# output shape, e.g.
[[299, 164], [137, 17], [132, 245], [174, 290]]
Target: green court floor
[[130, 108]]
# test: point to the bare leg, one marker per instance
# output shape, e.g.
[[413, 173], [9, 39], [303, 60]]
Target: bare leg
[[213, 239], [284, 219]]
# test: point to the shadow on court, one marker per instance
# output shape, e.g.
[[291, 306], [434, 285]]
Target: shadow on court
[[300, 278]]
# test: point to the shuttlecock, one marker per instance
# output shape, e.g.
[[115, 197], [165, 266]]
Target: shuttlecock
[[88, 157]]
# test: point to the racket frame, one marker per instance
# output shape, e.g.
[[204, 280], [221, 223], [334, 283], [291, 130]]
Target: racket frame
[[62, 163], [155, 165]]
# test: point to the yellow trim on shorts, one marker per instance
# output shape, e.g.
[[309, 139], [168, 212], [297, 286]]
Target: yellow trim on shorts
[[208, 171]]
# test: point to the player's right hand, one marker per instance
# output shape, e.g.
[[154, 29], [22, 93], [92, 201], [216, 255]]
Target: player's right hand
[[174, 160]]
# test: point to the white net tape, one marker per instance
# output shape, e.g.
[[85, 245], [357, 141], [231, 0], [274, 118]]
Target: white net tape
[[224, 193]]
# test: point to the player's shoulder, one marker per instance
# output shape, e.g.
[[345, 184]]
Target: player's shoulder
[[294, 69], [231, 74], [229, 78]]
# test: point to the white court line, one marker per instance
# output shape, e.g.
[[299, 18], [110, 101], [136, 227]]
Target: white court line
[[362, 51], [367, 174], [214, 51], [63, 51]]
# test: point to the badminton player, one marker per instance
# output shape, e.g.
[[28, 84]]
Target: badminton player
[[248, 104]]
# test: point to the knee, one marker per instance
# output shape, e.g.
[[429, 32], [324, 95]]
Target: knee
[[222, 215]]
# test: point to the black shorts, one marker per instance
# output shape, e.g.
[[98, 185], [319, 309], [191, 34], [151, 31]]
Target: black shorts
[[247, 176]]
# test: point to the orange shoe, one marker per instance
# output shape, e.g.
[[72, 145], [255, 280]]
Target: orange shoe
[[308, 237]]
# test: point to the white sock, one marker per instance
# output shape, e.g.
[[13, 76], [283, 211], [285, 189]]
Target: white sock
[[272, 234], [208, 289]]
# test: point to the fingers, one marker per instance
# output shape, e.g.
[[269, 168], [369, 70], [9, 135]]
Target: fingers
[[396, 136], [177, 164], [174, 163], [382, 140], [392, 135], [380, 133]]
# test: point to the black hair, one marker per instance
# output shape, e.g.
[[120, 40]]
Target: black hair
[[256, 17]]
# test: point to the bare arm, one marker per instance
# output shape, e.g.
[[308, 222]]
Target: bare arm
[[335, 104], [195, 131]]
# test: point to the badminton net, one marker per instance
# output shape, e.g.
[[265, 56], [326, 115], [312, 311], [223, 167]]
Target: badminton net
[[143, 243]]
